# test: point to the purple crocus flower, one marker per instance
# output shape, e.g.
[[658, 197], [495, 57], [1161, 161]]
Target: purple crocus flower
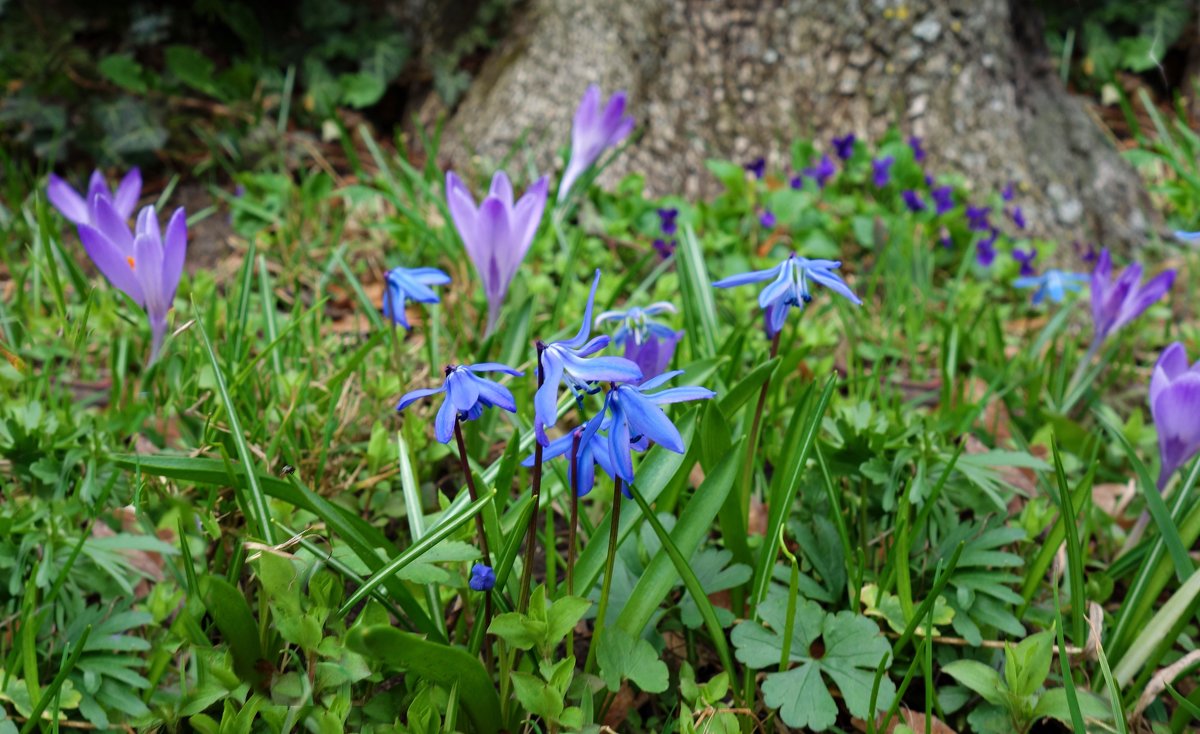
[[789, 286], [943, 199], [918, 152], [79, 210], [1117, 302], [648, 343], [1026, 260], [410, 284], [913, 200], [821, 172], [667, 220], [467, 394], [594, 132], [767, 219], [882, 168], [145, 265], [757, 167], [564, 361], [1017, 216], [1175, 406], [483, 578], [977, 218], [1053, 284], [498, 233], [844, 146]]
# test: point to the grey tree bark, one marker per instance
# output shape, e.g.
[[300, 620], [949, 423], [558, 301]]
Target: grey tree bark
[[740, 79]]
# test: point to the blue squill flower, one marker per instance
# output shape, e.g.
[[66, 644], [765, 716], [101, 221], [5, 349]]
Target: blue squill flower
[[648, 343], [789, 286], [79, 210], [1026, 259], [498, 233], [566, 361], [977, 218], [757, 167], [467, 394], [594, 132], [913, 200], [918, 151], [844, 146], [410, 284], [1187, 237], [1174, 404], [822, 172], [145, 264], [882, 168], [483, 578], [1117, 302], [1052, 284], [943, 199]]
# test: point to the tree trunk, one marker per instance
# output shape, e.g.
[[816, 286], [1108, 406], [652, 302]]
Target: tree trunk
[[740, 79]]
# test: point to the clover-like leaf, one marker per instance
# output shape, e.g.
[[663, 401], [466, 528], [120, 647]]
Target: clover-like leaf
[[622, 656], [888, 608], [843, 647]]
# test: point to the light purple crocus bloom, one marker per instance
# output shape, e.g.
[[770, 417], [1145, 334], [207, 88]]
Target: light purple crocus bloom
[[79, 210], [498, 233], [467, 394], [1053, 284], [1117, 302], [594, 132], [145, 265], [789, 286], [566, 361], [1175, 406], [410, 284], [648, 343]]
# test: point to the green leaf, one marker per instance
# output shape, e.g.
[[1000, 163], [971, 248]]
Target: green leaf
[[192, 68], [623, 657], [699, 308], [562, 617], [361, 89], [518, 630], [441, 664], [124, 71], [844, 647], [536, 696], [1053, 704], [1028, 663], [888, 609], [979, 678], [231, 613]]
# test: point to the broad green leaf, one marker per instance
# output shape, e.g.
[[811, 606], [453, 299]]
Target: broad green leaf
[[563, 615], [1053, 704], [979, 678], [621, 656], [1027, 664], [518, 630], [536, 696], [231, 613]]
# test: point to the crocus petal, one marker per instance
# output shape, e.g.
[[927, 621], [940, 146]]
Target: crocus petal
[[67, 200], [97, 186], [174, 252], [126, 197], [411, 397], [1175, 411], [526, 217], [601, 369], [649, 420], [148, 267], [1172, 363], [585, 329], [1145, 296], [463, 213], [586, 115], [443, 424], [111, 225], [502, 189], [112, 262]]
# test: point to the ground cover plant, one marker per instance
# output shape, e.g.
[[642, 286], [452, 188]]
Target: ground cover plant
[[842, 448]]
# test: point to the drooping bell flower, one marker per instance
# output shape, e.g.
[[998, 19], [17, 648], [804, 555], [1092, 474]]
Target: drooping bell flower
[[498, 233], [145, 265], [410, 284], [467, 394], [79, 210], [594, 131], [1053, 284], [570, 361], [647, 343], [789, 287], [1175, 406], [1117, 302]]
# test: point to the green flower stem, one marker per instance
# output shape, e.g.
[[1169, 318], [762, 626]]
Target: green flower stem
[[609, 563], [536, 491], [573, 531], [479, 530]]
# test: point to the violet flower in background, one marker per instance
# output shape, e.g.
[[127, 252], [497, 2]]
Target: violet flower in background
[[1026, 260], [1175, 406], [767, 219], [1007, 193], [913, 201], [498, 233], [664, 248], [1017, 216], [945, 239], [822, 172], [564, 361], [977, 218], [943, 199], [757, 168], [1086, 253], [918, 151], [467, 394], [796, 182], [410, 284], [1052, 284], [985, 250], [844, 146], [647, 343], [789, 287], [1117, 302], [593, 132], [882, 169], [667, 220], [81, 211], [145, 265]]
